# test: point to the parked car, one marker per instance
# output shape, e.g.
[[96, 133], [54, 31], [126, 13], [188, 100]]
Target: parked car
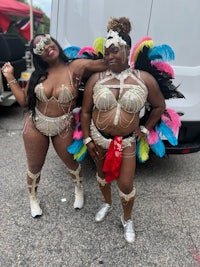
[[11, 49]]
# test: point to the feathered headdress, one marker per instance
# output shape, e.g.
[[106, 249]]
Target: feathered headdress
[[154, 59]]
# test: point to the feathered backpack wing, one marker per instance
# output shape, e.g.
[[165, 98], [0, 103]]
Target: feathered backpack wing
[[155, 60]]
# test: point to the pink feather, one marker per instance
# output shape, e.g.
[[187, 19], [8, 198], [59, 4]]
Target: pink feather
[[163, 66], [152, 137], [78, 134], [172, 120], [86, 49]]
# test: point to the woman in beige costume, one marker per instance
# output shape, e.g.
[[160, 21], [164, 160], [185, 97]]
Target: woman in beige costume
[[50, 96], [110, 120]]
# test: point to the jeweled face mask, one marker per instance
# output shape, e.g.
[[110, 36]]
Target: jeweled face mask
[[44, 40]]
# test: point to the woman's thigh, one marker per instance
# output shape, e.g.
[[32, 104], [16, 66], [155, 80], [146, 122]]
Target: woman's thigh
[[36, 146], [127, 169], [60, 143]]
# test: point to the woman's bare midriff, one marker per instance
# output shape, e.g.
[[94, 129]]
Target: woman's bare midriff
[[53, 108], [104, 121]]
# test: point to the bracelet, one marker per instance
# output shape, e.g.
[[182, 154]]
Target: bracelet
[[13, 81], [87, 140], [144, 130]]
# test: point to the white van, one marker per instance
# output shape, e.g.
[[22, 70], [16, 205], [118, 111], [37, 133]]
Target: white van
[[174, 22]]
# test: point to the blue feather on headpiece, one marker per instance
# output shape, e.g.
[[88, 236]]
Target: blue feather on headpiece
[[72, 51], [161, 53]]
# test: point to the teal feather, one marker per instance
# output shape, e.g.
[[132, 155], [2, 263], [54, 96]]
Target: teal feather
[[161, 53], [72, 51], [158, 148], [76, 146], [168, 133]]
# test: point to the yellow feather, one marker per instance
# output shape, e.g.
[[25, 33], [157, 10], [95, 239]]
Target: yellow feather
[[99, 45], [80, 153], [144, 149], [148, 43]]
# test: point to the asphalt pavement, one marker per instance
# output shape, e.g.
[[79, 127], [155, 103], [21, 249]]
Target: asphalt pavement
[[166, 212]]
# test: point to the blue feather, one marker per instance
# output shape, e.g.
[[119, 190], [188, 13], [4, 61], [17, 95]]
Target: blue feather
[[76, 146], [161, 53], [72, 51], [168, 133], [158, 148]]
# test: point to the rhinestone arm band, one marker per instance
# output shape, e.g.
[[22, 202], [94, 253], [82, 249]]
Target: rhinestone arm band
[[144, 130], [87, 140], [9, 83]]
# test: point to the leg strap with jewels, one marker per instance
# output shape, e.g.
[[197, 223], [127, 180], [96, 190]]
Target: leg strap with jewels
[[100, 180], [34, 204], [79, 193], [127, 197]]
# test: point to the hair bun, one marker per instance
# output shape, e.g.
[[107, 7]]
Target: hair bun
[[121, 24]]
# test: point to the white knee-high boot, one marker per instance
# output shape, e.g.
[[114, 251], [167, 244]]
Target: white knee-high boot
[[79, 192], [34, 204]]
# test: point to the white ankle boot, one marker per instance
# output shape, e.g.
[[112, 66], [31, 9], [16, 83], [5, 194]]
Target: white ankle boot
[[35, 207], [102, 212], [79, 197], [129, 232]]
